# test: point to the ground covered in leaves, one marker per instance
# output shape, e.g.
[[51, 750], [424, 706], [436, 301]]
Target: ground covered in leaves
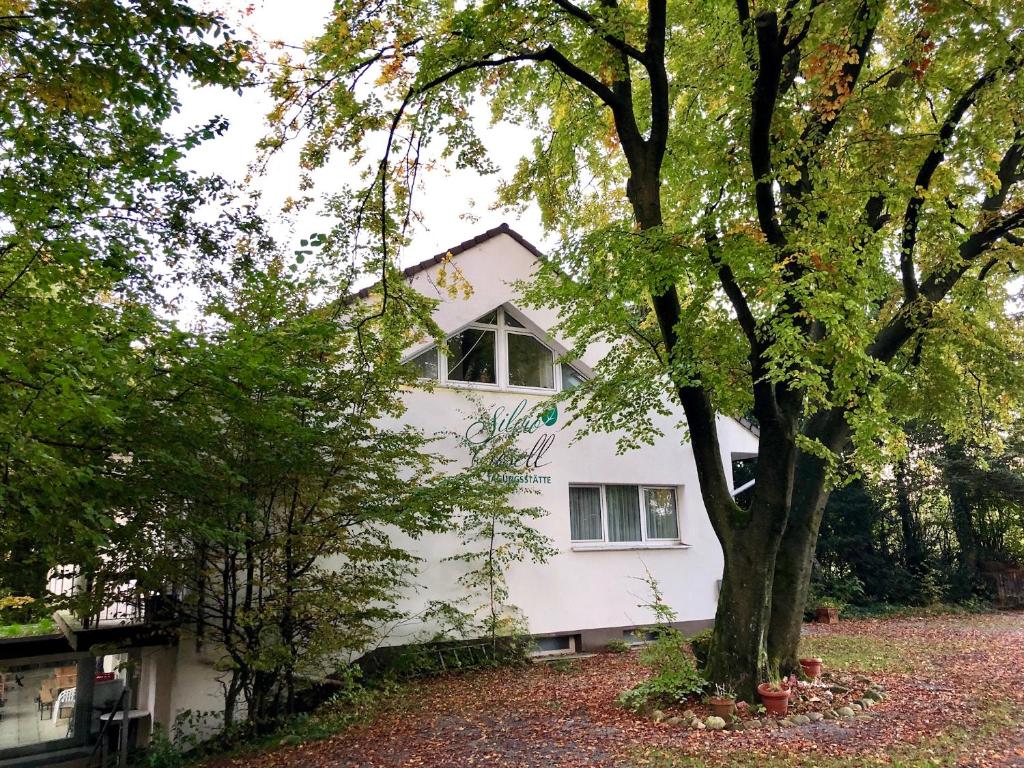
[[955, 697]]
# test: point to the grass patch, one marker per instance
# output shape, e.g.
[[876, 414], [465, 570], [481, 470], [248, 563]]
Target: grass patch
[[943, 750], [41, 627], [858, 653]]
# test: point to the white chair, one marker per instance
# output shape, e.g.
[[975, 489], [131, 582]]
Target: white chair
[[66, 700]]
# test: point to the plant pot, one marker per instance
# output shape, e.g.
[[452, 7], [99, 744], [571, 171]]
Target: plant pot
[[776, 702], [811, 668], [827, 615], [723, 708]]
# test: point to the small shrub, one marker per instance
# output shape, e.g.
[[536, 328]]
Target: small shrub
[[833, 590], [617, 646], [161, 752], [674, 678], [700, 645]]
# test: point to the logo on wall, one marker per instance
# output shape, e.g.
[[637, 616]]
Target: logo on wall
[[503, 431]]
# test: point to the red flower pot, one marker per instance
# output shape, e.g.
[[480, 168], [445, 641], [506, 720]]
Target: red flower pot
[[776, 702], [811, 668], [723, 708]]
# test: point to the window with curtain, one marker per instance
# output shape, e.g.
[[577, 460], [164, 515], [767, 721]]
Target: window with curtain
[[662, 521], [623, 513], [585, 513]]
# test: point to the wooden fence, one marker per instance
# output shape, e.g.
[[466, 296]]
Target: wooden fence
[[1009, 587]]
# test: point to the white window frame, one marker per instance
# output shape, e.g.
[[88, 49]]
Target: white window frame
[[604, 515], [501, 329], [645, 541]]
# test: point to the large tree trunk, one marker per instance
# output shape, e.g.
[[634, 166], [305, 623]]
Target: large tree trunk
[[738, 647], [750, 543]]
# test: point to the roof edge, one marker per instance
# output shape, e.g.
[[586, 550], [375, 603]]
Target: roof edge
[[483, 237]]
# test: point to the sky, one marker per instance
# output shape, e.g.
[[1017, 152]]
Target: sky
[[447, 201]]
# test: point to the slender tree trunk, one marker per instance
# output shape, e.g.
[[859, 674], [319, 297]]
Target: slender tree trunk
[[795, 559], [794, 562], [960, 506], [913, 546]]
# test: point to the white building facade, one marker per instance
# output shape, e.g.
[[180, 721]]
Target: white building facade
[[611, 518]]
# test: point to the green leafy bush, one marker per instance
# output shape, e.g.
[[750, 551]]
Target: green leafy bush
[[674, 678], [833, 589], [617, 646]]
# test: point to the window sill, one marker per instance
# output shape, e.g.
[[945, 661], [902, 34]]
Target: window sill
[[480, 387], [628, 545]]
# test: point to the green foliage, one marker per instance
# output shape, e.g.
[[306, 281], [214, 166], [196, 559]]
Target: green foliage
[[494, 534], [923, 533], [41, 627], [97, 220], [674, 677], [833, 591], [617, 646], [162, 752]]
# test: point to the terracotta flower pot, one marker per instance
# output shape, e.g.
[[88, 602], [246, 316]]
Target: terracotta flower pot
[[776, 702], [723, 708], [811, 668], [827, 615]]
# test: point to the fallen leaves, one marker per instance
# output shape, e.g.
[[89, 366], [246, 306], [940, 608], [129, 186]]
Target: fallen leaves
[[951, 673]]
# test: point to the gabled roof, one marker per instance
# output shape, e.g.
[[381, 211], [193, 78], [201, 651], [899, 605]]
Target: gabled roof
[[483, 237], [490, 234]]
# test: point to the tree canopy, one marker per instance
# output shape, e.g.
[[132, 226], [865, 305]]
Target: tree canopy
[[96, 214], [806, 211]]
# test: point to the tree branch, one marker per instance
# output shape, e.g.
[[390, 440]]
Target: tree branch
[[763, 101], [654, 52], [912, 216], [913, 315], [595, 25]]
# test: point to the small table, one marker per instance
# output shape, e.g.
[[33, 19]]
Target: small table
[[134, 716]]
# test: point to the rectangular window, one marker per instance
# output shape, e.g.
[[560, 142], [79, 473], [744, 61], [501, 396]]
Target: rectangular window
[[662, 521], [585, 513], [530, 363], [471, 356], [623, 514]]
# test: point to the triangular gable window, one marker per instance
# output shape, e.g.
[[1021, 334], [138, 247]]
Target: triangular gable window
[[491, 318], [496, 351]]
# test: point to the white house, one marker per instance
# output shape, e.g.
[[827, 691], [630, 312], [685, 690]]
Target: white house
[[611, 517]]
